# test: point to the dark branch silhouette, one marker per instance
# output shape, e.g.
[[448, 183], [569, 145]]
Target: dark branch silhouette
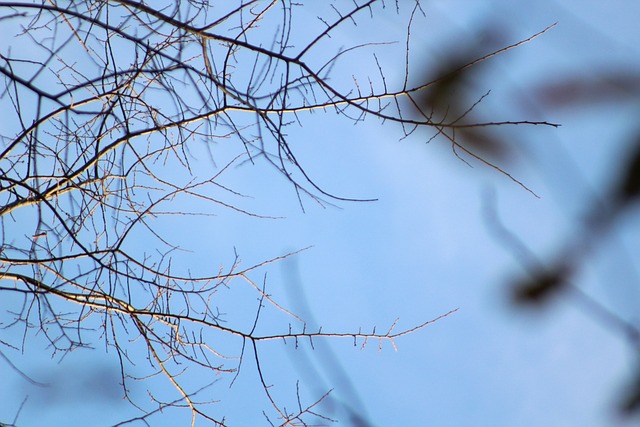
[[108, 102]]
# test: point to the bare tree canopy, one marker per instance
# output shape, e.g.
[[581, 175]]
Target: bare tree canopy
[[120, 120]]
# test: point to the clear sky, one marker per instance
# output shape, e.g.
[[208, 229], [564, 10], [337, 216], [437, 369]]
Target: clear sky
[[426, 246]]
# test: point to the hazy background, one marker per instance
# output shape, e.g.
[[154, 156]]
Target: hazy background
[[427, 245]]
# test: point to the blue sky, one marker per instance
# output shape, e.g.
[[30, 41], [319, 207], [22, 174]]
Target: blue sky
[[425, 248]]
